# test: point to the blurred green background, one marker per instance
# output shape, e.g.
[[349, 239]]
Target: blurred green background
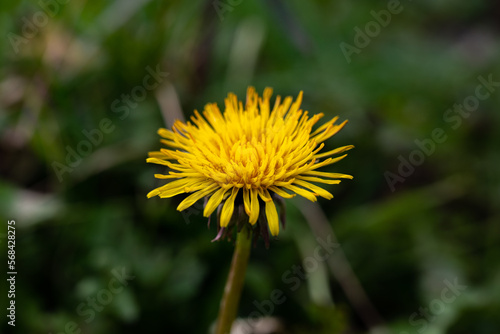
[[76, 76]]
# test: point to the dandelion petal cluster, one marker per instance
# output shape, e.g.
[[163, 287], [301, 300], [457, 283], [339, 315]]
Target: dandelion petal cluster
[[247, 154]]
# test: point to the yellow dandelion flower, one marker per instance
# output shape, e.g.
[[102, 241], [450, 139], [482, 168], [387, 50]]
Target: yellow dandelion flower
[[250, 154]]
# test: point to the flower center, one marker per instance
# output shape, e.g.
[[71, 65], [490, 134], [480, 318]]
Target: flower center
[[254, 160]]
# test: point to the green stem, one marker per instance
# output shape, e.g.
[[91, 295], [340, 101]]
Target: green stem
[[234, 285]]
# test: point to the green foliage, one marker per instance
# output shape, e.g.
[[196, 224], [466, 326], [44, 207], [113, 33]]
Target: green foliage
[[79, 220]]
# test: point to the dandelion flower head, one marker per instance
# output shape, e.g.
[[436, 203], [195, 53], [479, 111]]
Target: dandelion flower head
[[248, 156]]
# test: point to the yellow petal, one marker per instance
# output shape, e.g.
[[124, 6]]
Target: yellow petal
[[246, 200], [170, 193], [317, 179], [156, 154], [228, 208], [326, 162], [191, 186], [254, 206], [302, 192], [163, 176], [176, 187], [191, 199], [329, 132], [264, 194], [214, 202], [272, 218], [317, 190], [335, 151], [281, 192], [167, 163], [329, 175], [324, 126]]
